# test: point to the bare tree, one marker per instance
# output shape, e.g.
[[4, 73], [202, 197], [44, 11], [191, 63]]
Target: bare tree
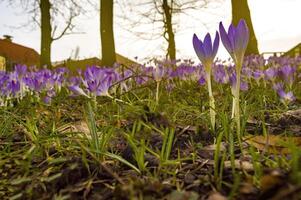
[[48, 15], [240, 10], [168, 29], [46, 29], [107, 33], [162, 14]]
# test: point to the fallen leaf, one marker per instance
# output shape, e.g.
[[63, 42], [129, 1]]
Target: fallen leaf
[[214, 146], [247, 188], [271, 180], [216, 196], [183, 195], [79, 126], [275, 144], [242, 165]]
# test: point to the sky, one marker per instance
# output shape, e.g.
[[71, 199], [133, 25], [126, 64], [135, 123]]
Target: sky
[[276, 23]]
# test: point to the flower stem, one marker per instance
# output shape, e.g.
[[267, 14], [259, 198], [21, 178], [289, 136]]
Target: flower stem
[[211, 102], [233, 106], [157, 92], [117, 100], [236, 103]]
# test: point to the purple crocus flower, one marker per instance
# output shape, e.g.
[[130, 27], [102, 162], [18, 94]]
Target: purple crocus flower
[[247, 71], [220, 75], [158, 73], [13, 87], [233, 80], [49, 95], [47, 100], [34, 82], [74, 86], [127, 74], [287, 72], [236, 40], [202, 80], [244, 86], [205, 51], [286, 96], [99, 80], [270, 73], [141, 79], [3, 78], [257, 74], [184, 72], [20, 69], [278, 86], [169, 87]]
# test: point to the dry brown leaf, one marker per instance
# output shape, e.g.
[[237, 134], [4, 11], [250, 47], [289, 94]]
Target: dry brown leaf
[[247, 188], [243, 165], [293, 113], [79, 126], [214, 146], [275, 144], [271, 180], [216, 196]]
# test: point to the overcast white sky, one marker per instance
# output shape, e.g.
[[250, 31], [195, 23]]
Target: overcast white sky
[[276, 22]]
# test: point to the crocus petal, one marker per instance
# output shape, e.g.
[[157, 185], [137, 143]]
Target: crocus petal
[[77, 90], [286, 96], [207, 46], [215, 44], [231, 36], [47, 100], [241, 37], [224, 37], [236, 40], [244, 31], [290, 96], [198, 47], [202, 80]]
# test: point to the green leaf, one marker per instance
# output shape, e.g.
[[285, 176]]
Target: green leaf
[[119, 158]]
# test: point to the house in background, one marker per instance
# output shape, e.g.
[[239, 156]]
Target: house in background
[[13, 53], [294, 52], [73, 65], [125, 61], [2, 63]]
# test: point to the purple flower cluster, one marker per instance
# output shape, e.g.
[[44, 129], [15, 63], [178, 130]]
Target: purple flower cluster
[[94, 81], [277, 73], [42, 83]]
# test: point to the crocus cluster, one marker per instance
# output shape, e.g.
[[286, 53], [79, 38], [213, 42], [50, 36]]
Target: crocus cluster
[[277, 73], [42, 83], [235, 41], [94, 81]]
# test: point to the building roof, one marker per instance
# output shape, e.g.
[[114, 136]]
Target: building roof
[[73, 65], [125, 61], [18, 54], [294, 51]]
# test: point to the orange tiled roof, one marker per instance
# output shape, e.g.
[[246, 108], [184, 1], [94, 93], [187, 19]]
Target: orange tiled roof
[[16, 53]]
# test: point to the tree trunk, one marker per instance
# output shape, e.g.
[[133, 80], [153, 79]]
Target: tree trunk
[[107, 33], [171, 50], [240, 10], [46, 30]]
